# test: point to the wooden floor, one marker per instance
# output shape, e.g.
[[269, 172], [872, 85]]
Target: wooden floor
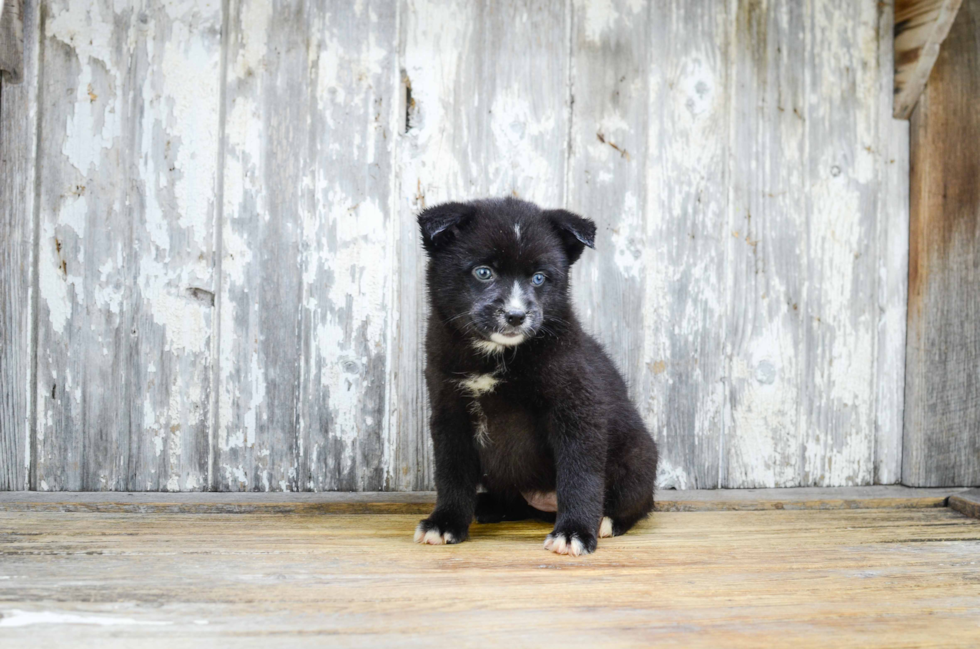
[[800, 578], [841, 578]]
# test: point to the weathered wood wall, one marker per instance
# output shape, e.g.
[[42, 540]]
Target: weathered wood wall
[[227, 288], [942, 420]]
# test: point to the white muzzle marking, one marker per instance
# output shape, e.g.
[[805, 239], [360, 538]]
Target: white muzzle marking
[[516, 300]]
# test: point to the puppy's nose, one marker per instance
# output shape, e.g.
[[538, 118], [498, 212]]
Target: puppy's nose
[[515, 318]]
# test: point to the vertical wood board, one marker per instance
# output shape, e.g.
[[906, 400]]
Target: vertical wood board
[[610, 101], [129, 124], [18, 144], [305, 277], [663, 271], [892, 264], [942, 388], [840, 304], [767, 238]]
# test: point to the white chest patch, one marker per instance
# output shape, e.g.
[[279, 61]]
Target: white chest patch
[[479, 384]]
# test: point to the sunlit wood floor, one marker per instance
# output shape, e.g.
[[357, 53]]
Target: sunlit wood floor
[[817, 578]]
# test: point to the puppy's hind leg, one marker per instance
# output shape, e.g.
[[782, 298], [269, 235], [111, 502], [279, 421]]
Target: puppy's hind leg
[[631, 476], [622, 511]]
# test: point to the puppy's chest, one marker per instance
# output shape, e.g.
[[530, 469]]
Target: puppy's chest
[[508, 434]]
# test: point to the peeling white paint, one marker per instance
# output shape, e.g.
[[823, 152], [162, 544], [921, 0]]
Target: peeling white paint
[[91, 128], [670, 476], [192, 75], [598, 18], [53, 284], [522, 133], [183, 320]]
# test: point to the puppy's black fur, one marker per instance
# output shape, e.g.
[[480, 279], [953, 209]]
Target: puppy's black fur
[[523, 400]]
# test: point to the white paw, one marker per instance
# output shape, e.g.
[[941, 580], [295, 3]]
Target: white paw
[[433, 537], [605, 527], [559, 544]]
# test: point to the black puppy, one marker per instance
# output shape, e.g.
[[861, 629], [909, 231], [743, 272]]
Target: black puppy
[[524, 402]]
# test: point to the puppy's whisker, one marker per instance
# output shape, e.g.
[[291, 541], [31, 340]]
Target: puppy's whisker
[[455, 317]]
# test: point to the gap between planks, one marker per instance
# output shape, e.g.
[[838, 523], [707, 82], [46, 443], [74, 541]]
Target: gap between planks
[[806, 498]]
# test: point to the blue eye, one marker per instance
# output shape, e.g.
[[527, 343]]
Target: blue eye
[[538, 279], [483, 273]]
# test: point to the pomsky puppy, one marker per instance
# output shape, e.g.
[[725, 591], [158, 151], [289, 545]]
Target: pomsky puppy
[[527, 408]]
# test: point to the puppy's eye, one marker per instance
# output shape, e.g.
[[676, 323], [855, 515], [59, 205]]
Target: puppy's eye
[[483, 273], [538, 279]]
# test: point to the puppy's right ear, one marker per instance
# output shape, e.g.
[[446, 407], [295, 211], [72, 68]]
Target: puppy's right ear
[[441, 223], [575, 232]]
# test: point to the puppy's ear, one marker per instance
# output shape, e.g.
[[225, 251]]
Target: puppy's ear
[[441, 223], [575, 231]]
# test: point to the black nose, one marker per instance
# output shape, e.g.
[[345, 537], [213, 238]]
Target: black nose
[[515, 318]]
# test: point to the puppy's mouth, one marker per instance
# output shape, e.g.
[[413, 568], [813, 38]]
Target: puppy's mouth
[[511, 335], [508, 339]]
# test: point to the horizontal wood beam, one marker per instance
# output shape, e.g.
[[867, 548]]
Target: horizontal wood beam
[[921, 27], [421, 502]]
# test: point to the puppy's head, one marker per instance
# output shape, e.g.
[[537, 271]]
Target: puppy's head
[[499, 269]]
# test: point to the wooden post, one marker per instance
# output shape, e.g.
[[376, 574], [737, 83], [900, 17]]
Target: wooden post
[[942, 393]]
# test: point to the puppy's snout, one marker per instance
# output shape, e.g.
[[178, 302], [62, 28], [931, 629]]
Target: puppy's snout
[[515, 317]]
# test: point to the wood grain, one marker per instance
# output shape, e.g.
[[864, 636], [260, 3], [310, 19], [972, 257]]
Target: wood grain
[[942, 390], [129, 150], [921, 26], [18, 145], [889, 578]]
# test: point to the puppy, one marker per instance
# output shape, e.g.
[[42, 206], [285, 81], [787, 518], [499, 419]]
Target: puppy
[[525, 404]]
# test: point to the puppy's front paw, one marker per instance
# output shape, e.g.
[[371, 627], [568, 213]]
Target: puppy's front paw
[[575, 540], [431, 532]]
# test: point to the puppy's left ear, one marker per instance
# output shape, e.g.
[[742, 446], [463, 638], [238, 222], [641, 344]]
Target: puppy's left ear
[[441, 223], [575, 231]]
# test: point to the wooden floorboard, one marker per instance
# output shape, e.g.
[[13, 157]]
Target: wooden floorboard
[[800, 578], [876, 497], [966, 502]]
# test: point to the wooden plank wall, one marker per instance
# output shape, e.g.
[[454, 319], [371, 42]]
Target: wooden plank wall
[[942, 420], [228, 286]]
